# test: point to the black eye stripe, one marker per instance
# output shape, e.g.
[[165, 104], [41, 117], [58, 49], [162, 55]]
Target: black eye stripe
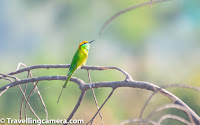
[[83, 44]]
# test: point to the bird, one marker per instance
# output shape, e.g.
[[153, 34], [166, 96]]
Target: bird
[[79, 59]]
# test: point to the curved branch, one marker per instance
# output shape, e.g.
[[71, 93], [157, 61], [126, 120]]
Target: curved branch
[[36, 89], [3, 91], [128, 82], [95, 99], [25, 114], [137, 120], [124, 11], [101, 107], [42, 78], [77, 105], [168, 106], [128, 77], [167, 86], [112, 84], [167, 116], [38, 67], [9, 76], [29, 103]]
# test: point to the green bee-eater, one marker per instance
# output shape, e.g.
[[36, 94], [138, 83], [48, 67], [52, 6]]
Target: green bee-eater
[[79, 59]]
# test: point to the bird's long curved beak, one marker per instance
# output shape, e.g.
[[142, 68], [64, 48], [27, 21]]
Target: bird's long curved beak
[[91, 41]]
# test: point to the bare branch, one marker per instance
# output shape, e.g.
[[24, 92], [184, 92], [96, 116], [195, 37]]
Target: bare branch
[[128, 82], [23, 93], [41, 99], [4, 90], [128, 77], [95, 99], [145, 105], [169, 116], [28, 103], [7, 79], [77, 105], [34, 79], [40, 96], [21, 108], [181, 86], [101, 106], [28, 99], [105, 25], [67, 66], [137, 120], [36, 88], [112, 84], [5, 75], [38, 67], [7, 86], [167, 86], [167, 106]]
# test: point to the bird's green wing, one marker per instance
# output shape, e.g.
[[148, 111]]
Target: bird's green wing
[[74, 63], [73, 67]]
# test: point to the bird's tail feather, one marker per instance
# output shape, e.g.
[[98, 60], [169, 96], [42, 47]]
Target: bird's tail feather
[[65, 84], [60, 95], [67, 80]]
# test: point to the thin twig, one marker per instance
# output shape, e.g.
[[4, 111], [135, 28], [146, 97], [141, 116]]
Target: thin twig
[[67, 66], [28, 99], [6, 87], [101, 106], [23, 93], [145, 105], [21, 108], [95, 99], [6, 75], [39, 67], [137, 120], [29, 104], [181, 86], [112, 84], [168, 106], [77, 105], [42, 78], [105, 25], [165, 86], [4, 91], [36, 88], [167, 116], [7, 79]]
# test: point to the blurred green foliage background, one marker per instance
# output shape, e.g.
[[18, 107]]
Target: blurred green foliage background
[[158, 44]]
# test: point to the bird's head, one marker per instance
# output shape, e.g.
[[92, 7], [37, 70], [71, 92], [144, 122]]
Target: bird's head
[[85, 45]]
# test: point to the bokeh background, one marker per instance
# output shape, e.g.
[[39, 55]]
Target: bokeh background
[[158, 44]]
